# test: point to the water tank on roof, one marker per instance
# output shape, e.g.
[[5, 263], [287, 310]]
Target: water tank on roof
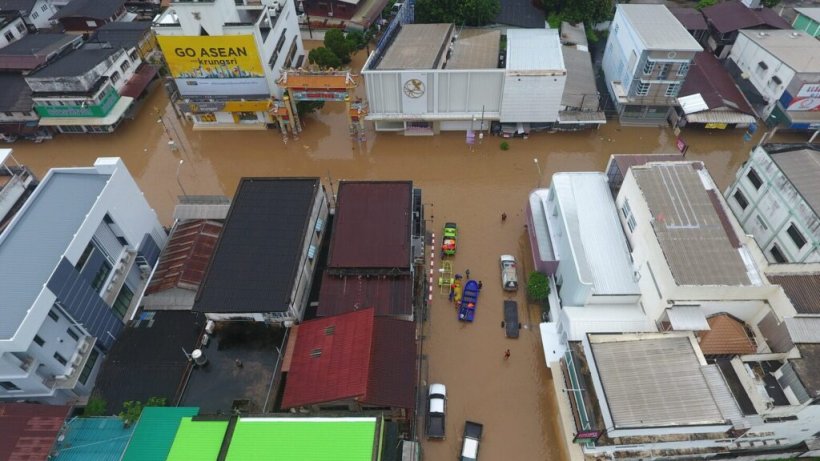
[[199, 357]]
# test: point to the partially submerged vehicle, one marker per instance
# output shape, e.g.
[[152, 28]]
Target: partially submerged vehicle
[[436, 410], [509, 276], [469, 300], [510, 322], [470, 443], [448, 244]]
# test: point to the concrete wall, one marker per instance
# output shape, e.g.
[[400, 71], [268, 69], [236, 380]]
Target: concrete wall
[[40, 14], [747, 55], [15, 30], [82, 84], [532, 98], [622, 53]]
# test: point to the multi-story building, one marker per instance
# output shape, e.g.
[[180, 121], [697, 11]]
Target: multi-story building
[[226, 58], [775, 199], [82, 247], [726, 19], [12, 27], [807, 20], [80, 92], [778, 70], [83, 16], [36, 13], [647, 57]]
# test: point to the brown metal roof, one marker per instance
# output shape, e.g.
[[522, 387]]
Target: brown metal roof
[[734, 15], [183, 261], [727, 336], [691, 18], [802, 290], [712, 81], [389, 295], [372, 225], [28, 431]]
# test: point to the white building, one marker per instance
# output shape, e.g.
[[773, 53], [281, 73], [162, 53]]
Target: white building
[[262, 40], [645, 63], [431, 78], [36, 13], [779, 71], [12, 28], [775, 198], [82, 246]]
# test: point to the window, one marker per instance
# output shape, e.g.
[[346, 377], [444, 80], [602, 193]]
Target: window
[[9, 386], [615, 29], [60, 358], [125, 65], [132, 55], [664, 71], [672, 89], [73, 334], [122, 241], [741, 199], [84, 257], [279, 45], [797, 236], [89, 365], [21, 27], [53, 315], [120, 306], [91, 23], [9, 36], [9, 114], [628, 216], [39, 341], [754, 178], [763, 65], [44, 7], [777, 80], [648, 66], [320, 224], [115, 77], [107, 219], [101, 276], [34, 15], [643, 88], [777, 255], [761, 223], [683, 69]]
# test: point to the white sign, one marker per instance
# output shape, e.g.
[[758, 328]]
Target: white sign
[[807, 99], [222, 86], [414, 92]]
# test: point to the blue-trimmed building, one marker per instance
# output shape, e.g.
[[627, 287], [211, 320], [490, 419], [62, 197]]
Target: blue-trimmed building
[[73, 262]]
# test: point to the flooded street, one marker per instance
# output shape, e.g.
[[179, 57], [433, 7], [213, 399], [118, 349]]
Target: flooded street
[[513, 398]]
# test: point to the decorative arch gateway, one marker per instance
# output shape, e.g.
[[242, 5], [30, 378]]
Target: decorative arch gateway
[[313, 85]]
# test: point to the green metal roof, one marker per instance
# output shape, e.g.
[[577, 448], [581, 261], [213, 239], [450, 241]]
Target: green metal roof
[[155, 431], [299, 439], [198, 440]]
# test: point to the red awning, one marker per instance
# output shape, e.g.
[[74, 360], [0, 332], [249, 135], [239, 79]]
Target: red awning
[[142, 77]]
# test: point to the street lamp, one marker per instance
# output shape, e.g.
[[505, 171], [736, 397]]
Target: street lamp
[[180, 182], [538, 166]]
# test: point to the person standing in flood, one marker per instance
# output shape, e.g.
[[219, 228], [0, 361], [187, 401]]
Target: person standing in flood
[[507, 354]]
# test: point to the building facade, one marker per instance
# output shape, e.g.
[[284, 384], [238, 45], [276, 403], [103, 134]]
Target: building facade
[[727, 19], [82, 257], [36, 13], [83, 16], [647, 58], [774, 201], [807, 20], [12, 28], [235, 93]]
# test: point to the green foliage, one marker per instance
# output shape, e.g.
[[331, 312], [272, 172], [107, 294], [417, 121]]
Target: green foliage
[[355, 40], [538, 287], [590, 12], [505, 145], [592, 36], [324, 58], [307, 107], [460, 12], [770, 3], [95, 407], [704, 3], [554, 19], [335, 41], [131, 410]]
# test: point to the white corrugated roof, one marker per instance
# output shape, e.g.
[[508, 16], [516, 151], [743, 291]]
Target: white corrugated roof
[[688, 318], [692, 103], [658, 28], [606, 319], [534, 49], [803, 329], [595, 234], [723, 396]]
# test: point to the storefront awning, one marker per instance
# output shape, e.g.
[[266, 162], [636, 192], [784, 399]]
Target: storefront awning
[[139, 81], [116, 113], [718, 116], [687, 318]]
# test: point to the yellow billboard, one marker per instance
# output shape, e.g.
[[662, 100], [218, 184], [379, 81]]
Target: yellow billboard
[[214, 65]]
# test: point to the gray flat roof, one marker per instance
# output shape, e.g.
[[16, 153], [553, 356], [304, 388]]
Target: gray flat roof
[[32, 246], [475, 49], [794, 48], [811, 13], [690, 228], [534, 49], [655, 380], [658, 28], [580, 90], [802, 168], [417, 46]]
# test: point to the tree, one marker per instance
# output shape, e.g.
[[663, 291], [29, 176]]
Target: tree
[[95, 407], [461, 12], [770, 3], [478, 12], [590, 12], [324, 58], [131, 410], [335, 41], [538, 287], [355, 40], [705, 3]]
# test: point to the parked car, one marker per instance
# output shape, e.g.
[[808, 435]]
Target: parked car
[[472, 437], [436, 410], [448, 244], [509, 277]]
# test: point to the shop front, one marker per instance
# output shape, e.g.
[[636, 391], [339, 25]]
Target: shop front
[[228, 115]]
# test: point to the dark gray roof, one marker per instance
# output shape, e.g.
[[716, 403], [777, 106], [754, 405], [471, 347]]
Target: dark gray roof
[[97, 9], [76, 63], [7, 17], [256, 258], [16, 95], [33, 50], [23, 6], [801, 166], [123, 34], [521, 13]]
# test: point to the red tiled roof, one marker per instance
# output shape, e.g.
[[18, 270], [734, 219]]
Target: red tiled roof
[[353, 356], [713, 82], [372, 225], [734, 15], [388, 295], [28, 431], [142, 77], [727, 337], [185, 257]]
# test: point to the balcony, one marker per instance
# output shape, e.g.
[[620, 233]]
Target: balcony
[[75, 368]]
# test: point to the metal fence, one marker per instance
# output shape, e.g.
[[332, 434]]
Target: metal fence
[[405, 15]]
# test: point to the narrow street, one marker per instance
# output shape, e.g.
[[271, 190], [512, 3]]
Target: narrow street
[[512, 397]]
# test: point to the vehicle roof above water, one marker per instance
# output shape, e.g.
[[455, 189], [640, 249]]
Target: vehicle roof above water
[[470, 449], [438, 389]]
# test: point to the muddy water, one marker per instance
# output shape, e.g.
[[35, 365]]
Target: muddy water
[[513, 398]]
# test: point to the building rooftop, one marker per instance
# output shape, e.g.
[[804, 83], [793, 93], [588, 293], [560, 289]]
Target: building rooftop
[[124, 34], [95, 9], [726, 336], [801, 166], [254, 266], [534, 49], [595, 234], [691, 225], [655, 380], [657, 28], [794, 48], [93, 439], [353, 355], [16, 94], [733, 15], [76, 63], [388, 295], [154, 432], [475, 49], [807, 369], [148, 359], [371, 229], [801, 289], [690, 18], [33, 50], [574, 34], [715, 85], [417, 46], [811, 13], [23, 6], [28, 431], [197, 439], [39, 235], [580, 90], [296, 439], [521, 13]]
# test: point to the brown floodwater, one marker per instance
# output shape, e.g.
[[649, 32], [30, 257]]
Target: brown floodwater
[[513, 398]]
